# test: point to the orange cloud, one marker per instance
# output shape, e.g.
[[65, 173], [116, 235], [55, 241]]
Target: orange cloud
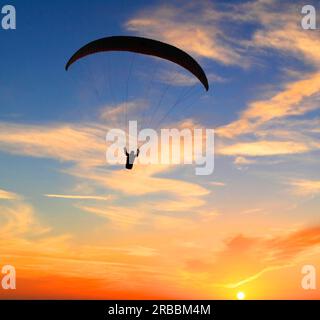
[[248, 259], [196, 33], [305, 187], [286, 103], [120, 216], [114, 114], [289, 246], [264, 148], [76, 143], [18, 219], [78, 197]]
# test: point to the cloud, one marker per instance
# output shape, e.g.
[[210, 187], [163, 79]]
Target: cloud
[[193, 27], [243, 161], [139, 251], [180, 204], [305, 187], [42, 256], [279, 29], [253, 211], [217, 184], [273, 125], [282, 31], [182, 79], [64, 142], [144, 180], [286, 103], [264, 148], [114, 115], [255, 256], [79, 197], [120, 216], [18, 220], [84, 146], [255, 276], [7, 195], [289, 246]]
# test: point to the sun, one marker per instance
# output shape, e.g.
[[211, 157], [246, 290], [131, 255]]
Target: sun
[[241, 295]]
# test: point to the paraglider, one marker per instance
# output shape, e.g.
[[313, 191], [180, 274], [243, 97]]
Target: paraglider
[[142, 46], [130, 158]]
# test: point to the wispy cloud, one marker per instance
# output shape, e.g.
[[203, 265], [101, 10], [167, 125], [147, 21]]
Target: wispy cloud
[[119, 215], [286, 103], [84, 147], [253, 211], [278, 32], [18, 220], [181, 79], [265, 148], [79, 197], [114, 115], [256, 256], [243, 161], [139, 251], [217, 184], [7, 195], [64, 142], [305, 187], [195, 28], [255, 276]]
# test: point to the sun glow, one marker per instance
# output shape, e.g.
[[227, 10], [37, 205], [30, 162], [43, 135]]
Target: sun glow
[[241, 295]]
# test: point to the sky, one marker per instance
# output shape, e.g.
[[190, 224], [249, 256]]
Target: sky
[[74, 226]]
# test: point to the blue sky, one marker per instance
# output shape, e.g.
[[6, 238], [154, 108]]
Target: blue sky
[[47, 35]]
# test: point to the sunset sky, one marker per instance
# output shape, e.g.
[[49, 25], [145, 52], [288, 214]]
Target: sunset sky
[[74, 226]]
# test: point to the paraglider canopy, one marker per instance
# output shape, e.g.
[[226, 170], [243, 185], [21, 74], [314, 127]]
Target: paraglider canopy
[[143, 46]]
